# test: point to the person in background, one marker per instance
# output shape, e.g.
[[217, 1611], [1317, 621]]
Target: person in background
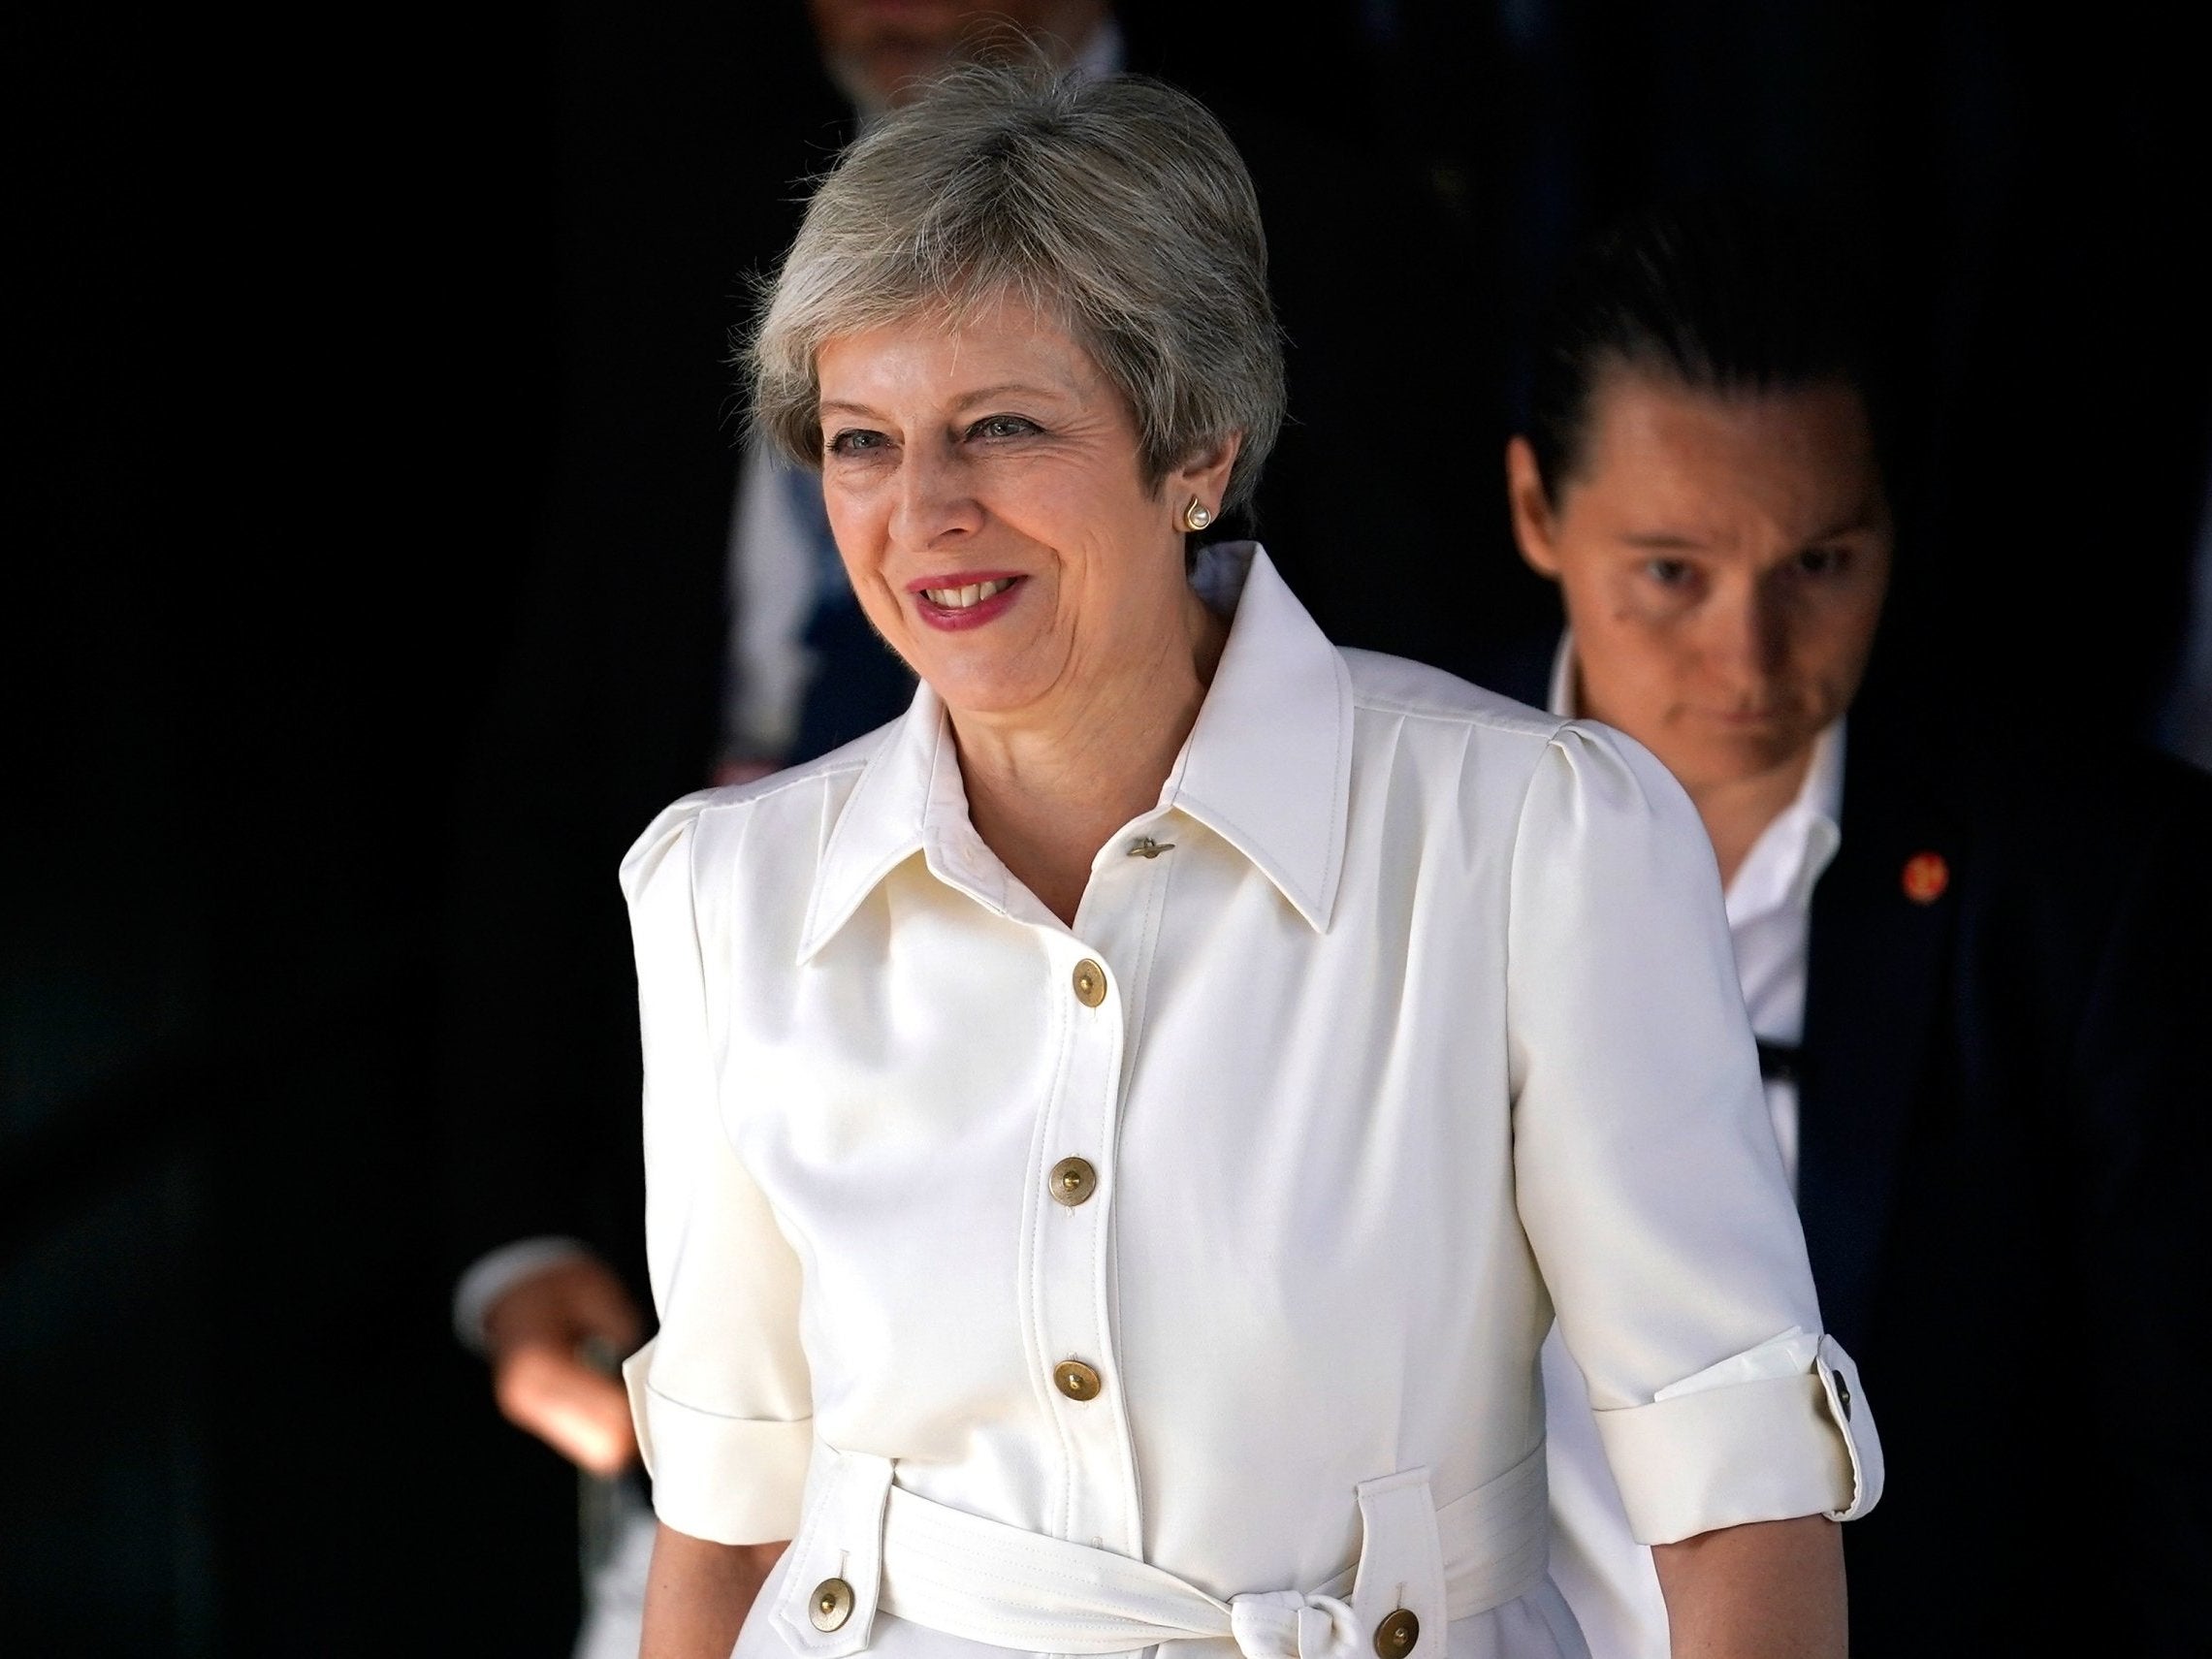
[[691, 622], [1116, 1134], [1974, 960]]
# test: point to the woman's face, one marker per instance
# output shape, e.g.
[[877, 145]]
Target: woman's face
[[984, 485], [1722, 558]]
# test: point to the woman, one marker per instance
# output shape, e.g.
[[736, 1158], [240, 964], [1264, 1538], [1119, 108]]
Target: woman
[[1972, 962], [1115, 1137]]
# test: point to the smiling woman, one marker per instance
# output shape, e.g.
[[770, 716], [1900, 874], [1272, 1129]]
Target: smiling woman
[[1048, 374], [1164, 1047]]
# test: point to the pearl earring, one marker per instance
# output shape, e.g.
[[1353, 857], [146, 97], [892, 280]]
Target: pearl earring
[[1195, 516]]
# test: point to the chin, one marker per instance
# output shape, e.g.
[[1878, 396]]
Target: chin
[[965, 691], [1741, 759]]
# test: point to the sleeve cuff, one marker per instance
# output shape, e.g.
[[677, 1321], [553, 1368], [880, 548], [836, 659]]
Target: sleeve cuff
[[1745, 1447], [495, 1272], [726, 1479]]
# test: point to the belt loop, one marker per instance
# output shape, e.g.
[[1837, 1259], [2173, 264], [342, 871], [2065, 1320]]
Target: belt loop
[[827, 1604], [1401, 1569]]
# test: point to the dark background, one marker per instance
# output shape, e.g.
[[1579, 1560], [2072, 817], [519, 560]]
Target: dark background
[[289, 327]]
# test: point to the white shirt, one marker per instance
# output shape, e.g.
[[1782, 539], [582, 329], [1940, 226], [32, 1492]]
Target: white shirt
[[1606, 1575], [1419, 1017]]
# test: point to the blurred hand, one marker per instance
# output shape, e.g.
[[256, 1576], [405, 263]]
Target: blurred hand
[[540, 1334]]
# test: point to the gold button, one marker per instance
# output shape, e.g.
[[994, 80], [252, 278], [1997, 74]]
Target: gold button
[[1844, 1395], [1090, 983], [1076, 1380], [1397, 1635], [1072, 1180], [832, 1604]]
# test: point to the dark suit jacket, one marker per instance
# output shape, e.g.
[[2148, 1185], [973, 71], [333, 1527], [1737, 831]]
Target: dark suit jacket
[[2005, 1184], [2004, 1178]]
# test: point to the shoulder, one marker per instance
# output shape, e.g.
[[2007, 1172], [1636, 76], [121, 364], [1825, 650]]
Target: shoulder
[[793, 809], [1396, 686], [1499, 752], [2080, 904], [1924, 730], [2088, 830], [2058, 849], [1393, 691], [2021, 792]]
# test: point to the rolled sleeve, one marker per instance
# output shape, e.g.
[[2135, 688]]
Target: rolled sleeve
[[1646, 1170], [737, 1480], [720, 1396], [1766, 1435]]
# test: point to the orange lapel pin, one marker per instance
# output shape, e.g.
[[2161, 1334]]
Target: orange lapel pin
[[1926, 875]]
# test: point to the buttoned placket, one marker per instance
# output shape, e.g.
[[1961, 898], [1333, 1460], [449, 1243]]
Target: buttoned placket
[[1098, 969]]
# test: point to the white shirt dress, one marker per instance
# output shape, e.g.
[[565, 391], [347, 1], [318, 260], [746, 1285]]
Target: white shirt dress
[[1178, 1277]]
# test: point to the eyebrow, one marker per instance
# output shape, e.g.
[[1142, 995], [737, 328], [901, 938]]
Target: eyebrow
[[1011, 387], [1858, 523], [980, 394]]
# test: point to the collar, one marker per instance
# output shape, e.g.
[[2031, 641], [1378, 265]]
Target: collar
[[1560, 700], [1792, 850], [1267, 767]]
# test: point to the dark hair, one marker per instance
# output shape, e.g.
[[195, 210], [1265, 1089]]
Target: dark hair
[[1714, 296]]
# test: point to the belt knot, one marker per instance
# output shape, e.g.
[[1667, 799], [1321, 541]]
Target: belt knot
[[1284, 1624]]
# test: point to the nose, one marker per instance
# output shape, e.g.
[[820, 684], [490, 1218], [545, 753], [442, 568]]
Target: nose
[[1747, 639], [936, 501]]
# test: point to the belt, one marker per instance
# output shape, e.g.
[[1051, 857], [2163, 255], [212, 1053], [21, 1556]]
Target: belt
[[868, 1545]]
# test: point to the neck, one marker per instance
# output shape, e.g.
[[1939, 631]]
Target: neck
[[1046, 793], [1737, 813]]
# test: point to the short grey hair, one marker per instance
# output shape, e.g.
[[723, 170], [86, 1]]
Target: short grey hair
[[1117, 206]]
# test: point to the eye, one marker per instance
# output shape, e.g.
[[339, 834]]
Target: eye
[[1003, 426], [1668, 572], [1823, 561], [856, 442]]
